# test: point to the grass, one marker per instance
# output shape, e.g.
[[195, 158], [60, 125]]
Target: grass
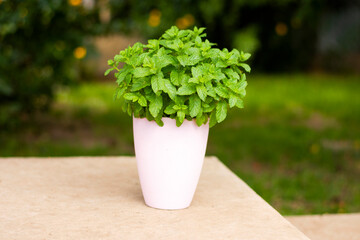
[[297, 142]]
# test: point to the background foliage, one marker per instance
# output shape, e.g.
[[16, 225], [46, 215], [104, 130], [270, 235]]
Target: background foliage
[[40, 42], [283, 34]]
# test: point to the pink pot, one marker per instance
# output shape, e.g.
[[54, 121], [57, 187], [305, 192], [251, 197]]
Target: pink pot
[[169, 161]]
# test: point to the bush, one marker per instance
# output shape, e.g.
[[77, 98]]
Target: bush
[[40, 42]]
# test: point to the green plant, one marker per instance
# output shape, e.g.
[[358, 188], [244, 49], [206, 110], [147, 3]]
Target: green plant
[[180, 76]]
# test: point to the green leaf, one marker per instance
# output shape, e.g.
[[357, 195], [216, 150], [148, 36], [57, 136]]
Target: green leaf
[[137, 109], [142, 72], [213, 53], [233, 59], [162, 52], [148, 115], [129, 109], [119, 58], [149, 94], [180, 117], [201, 91], [198, 41], [239, 103], [148, 62], [244, 56], [175, 44], [194, 105], [175, 78], [122, 75], [192, 59], [208, 107], [155, 106], [242, 84], [159, 121], [184, 78], [184, 60], [138, 47], [196, 72], [153, 44], [157, 83], [222, 91], [198, 31], [108, 71], [221, 111], [245, 66], [131, 96], [232, 100], [224, 54], [201, 119], [193, 51], [218, 75], [212, 119], [242, 93], [170, 109], [134, 60], [169, 88], [243, 76], [163, 61], [183, 107], [119, 92], [231, 73], [140, 83], [221, 64], [194, 80], [210, 90], [172, 32], [182, 33], [177, 107], [239, 87], [139, 60], [142, 101], [186, 90]]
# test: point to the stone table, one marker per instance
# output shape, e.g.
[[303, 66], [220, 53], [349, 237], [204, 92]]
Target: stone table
[[329, 226], [100, 198]]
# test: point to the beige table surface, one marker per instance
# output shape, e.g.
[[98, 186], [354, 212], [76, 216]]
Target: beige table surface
[[100, 198], [329, 226]]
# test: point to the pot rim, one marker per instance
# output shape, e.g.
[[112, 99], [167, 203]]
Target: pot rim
[[167, 119]]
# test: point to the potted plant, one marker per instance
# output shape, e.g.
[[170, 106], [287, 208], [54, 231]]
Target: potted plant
[[175, 88]]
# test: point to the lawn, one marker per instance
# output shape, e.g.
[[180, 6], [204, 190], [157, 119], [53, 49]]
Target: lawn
[[296, 143]]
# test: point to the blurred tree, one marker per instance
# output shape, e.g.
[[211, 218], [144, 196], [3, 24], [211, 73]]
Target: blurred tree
[[282, 34], [339, 38], [40, 42]]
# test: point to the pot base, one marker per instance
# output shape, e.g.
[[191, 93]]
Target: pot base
[[169, 161], [167, 208]]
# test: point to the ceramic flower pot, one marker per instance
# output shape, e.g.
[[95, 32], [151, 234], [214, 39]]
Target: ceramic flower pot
[[169, 161]]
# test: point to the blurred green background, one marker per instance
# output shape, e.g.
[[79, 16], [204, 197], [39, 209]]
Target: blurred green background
[[296, 143]]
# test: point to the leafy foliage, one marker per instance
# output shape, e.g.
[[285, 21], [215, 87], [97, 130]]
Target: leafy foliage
[[181, 76], [40, 42], [244, 24]]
